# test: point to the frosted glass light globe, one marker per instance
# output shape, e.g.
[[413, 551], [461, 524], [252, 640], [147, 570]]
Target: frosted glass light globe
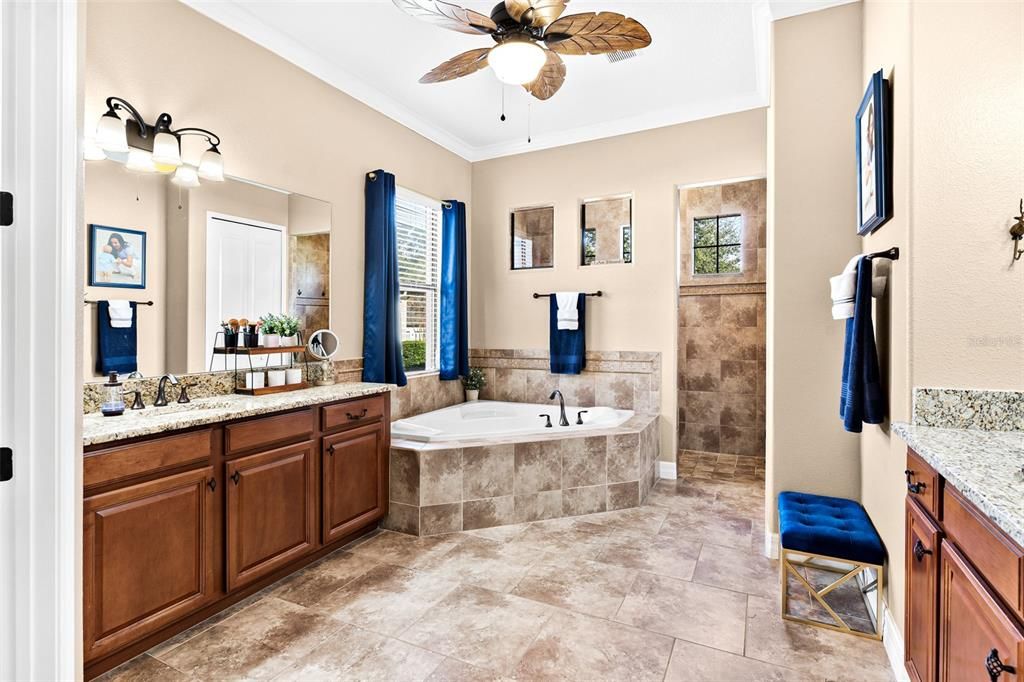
[[517, 62]]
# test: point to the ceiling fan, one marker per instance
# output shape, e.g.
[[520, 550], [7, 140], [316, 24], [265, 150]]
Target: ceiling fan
[[531, 36]]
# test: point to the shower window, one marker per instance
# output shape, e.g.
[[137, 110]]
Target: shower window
[[717, 245]]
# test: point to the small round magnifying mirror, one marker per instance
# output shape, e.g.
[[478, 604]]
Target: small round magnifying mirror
[[323, 345]]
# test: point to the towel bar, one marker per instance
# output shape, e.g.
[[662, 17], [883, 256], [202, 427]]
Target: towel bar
[[596, 293], [135, 302], [891, 253]]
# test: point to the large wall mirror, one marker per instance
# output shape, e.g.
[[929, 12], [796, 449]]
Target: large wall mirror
[[194, 258], [606, 230], [532, 237]]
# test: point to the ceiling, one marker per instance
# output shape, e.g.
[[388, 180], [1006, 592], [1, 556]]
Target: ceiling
[[706, 59]]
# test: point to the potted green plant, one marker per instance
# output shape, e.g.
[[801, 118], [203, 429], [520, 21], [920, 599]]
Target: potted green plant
[[473, 382], [270, 327], [288, 328]]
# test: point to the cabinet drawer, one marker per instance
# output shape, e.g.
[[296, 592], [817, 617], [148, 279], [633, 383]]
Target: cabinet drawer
[[151, 456], [352, 413], [996, 556], [923, 484], [269, 431]]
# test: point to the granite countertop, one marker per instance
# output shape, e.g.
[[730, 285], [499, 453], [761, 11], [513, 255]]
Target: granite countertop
[[135, 423], [983, 465]]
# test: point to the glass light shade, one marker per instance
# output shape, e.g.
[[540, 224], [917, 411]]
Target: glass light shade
[[111, 135], [140, 160], [166, 149], [185, 176], [517, 62], [211, 166], [92, 151]]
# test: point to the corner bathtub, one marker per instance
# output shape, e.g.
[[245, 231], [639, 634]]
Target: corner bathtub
[[485, 419]]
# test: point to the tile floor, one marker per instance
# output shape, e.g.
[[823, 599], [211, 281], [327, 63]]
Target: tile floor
[[674, 590], [694, 465]]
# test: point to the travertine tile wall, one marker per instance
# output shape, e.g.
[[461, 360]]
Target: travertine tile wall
[[622, 379], [434, 491], [722, 331]]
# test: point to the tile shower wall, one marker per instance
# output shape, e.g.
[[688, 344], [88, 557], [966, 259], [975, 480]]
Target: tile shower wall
[[722, 332], [621, 379]]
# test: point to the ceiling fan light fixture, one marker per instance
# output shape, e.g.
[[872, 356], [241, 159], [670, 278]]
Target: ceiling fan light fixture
[[517, 61]]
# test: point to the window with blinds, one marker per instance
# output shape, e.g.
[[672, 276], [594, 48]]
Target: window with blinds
[[418, 226]]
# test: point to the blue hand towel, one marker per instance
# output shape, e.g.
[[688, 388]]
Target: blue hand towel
[[116, 347], [862, 400], [568, 348]]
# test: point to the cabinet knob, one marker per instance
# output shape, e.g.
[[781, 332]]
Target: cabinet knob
[[236, 477], [920, 551], [914, 488], [330, 450], [212, 484], [994, 667]]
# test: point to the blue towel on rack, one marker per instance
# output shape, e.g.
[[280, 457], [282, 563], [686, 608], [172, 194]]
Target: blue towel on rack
[[862, 400], [568, 347], [116, 349]]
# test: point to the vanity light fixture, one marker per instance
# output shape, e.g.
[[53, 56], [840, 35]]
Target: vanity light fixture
[[153, 148]]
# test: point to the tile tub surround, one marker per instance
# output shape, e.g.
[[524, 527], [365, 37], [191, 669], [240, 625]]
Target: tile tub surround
[[436, 490], [983, 465], [133, 424], [722, 341], [626, 380], [954, 408]]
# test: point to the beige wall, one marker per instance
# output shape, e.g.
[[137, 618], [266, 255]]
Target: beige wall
[[638, 311], [117, 198], [207, 76], [954, 315], [816, 87]]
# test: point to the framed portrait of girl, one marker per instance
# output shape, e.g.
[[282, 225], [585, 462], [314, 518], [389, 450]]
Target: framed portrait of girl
[[874, 156], [117, 257]]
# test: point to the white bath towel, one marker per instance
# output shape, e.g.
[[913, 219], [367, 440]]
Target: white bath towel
[[120, 313], [844, 285], [568, 315]]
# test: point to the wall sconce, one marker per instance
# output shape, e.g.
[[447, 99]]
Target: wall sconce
[[153, 148], [1017, 233]]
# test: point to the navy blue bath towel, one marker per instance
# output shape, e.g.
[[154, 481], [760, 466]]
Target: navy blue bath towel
[[116, 349], [568, 346], [862, 400]]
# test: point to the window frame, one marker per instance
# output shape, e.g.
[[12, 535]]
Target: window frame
[[717, 246], [433, 288]]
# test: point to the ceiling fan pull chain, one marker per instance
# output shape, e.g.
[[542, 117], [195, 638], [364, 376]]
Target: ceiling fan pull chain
[[502, 86], [529, 123]]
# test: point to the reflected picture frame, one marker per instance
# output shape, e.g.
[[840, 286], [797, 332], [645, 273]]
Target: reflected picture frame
[[117, 257], [874, 144]]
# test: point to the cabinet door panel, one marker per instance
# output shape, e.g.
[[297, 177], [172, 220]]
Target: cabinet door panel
[[922, 594], [147, 553], [271, 519], [973, 626], [354, 480]]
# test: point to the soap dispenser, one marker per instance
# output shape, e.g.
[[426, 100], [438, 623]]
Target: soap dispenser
[[113, 405]]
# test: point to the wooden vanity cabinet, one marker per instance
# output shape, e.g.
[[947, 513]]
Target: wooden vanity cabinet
[[963, 582], [148, 553], [271, 511], [178, 527]]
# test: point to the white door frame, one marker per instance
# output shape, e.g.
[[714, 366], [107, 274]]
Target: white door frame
[[40, 367]]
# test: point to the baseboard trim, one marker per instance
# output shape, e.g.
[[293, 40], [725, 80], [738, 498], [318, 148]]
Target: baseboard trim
[[667, 470], [771, 545], [892, 639]]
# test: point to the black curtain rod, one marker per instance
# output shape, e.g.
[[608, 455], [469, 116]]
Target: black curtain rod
[[135, 302], [891, 254], [596, 293]]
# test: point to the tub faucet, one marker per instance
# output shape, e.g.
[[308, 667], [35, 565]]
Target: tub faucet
[[161, 389], [562, 420]]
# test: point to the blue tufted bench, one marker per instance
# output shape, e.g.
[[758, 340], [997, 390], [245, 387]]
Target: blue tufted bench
[[834, 535]]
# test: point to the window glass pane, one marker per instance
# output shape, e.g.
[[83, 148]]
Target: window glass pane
[[704, 231], [417, 222], [589, 246], [413, 317], [704, 261], [729, 259], [729, 229], [412, 223], [627, 244]]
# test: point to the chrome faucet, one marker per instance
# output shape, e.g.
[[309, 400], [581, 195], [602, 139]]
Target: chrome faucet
[[562, 420], [161, 389]]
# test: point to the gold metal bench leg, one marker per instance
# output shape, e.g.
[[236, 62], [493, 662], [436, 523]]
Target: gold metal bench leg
[[791, 567]]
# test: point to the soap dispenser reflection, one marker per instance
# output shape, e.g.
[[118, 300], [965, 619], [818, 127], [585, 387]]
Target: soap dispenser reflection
[[113, 405]]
